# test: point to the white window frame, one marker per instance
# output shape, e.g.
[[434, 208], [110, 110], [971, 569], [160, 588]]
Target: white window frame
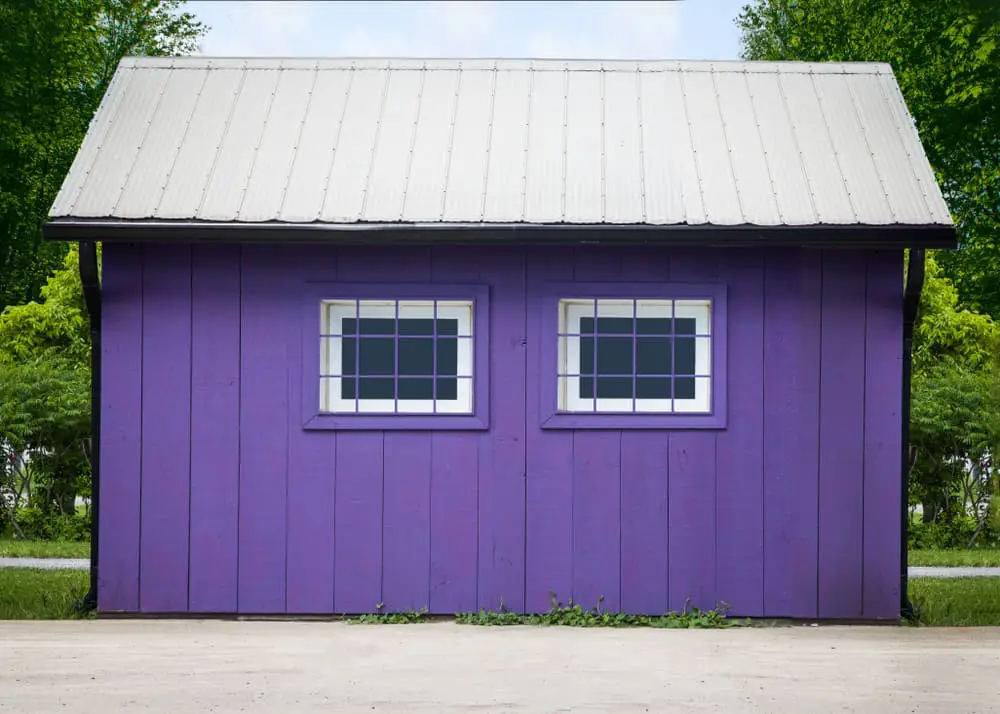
[[333, 312], [573, 310]]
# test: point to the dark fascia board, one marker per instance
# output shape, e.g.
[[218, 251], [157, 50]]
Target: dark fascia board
[[855, 236]]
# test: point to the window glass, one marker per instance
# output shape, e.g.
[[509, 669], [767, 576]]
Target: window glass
[[634, 355], [405, 356]]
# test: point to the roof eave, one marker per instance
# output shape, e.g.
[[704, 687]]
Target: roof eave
[[820, 235]]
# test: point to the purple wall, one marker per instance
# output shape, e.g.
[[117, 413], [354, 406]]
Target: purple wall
[[215, 499]]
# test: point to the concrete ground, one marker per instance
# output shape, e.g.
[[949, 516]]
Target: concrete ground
[[212, 666]]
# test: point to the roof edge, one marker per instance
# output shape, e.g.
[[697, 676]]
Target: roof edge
[[818, 235]]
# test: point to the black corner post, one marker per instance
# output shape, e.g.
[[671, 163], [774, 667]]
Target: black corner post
[[91, 281], [911, 303]]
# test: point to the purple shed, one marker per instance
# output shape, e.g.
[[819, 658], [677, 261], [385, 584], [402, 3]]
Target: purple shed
[[469, 334]]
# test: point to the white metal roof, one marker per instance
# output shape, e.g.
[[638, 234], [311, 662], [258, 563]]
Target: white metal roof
[[502, 141]]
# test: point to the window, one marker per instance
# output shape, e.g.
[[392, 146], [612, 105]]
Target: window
[[635, 355], [396, 356]]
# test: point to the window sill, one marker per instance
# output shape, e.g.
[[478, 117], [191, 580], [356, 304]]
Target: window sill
[[623, 421], [396, 422]]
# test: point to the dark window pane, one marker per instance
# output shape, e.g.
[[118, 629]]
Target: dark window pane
[[447, 356], [347, 388], [348, 355], [378, 326], [614, 325], [586, 387], [586, 326], [685, 326], [684, 356], [586, 356], [416, 356], [416, 389], [652, 325], [614, 387], [376, 356], [614, 355], [376, 388], [652, 388], [416, 326], [447, 326], [348, 326], [447, 388], [653, 355], [684, 388]]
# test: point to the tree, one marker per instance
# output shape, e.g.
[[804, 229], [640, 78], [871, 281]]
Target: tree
[[946, 57], [56, 61]]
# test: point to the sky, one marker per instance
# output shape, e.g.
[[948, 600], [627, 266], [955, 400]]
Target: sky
[[679, 29]]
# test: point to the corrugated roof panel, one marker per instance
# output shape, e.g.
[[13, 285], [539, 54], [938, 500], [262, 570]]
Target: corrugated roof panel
[[114, 162], [822, 170], [673, 194], [93, 143], [463, 199], [711, 150], [901, 186], [543, 199], [919, 165], [386, 186], [272, 162], [585, 149], [429, 163], [623, 189], [234, 162], [148, 176], [344, 141], [751, 172], [192, 166], [852, 150], [305, 185], [352, 160], [504, 198], [780, 144]]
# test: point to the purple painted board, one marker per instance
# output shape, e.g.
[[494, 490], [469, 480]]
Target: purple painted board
[[215, 418], [454, 545], [792, 286], [549, 457], [644, 484], [406, 527], [166, 429], [597, 519], [264, 417], [312, 462], [691, 513], [121, 427], [883, 396], [502, 452], [739, 526], [358, 523], [841, 424]]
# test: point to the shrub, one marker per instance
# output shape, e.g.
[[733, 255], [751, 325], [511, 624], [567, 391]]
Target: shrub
[[37, 525]]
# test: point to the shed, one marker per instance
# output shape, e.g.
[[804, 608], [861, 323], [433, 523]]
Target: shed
[[462, 334]]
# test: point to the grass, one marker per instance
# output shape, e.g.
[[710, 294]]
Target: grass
[[10, 548], [31, 594], [982, 557], [956, 602]]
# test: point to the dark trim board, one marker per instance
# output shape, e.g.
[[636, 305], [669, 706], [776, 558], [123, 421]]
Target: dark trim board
[[848, 236]]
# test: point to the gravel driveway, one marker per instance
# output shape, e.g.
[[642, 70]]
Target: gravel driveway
[[211, 666]]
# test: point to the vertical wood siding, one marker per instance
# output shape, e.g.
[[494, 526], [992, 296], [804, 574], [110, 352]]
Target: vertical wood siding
[[215, 499]]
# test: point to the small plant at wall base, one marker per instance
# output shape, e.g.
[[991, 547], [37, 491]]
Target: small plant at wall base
[[573, 615], [407, 617]]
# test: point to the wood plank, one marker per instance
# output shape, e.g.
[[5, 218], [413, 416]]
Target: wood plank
[[215, 419], [454, 520], [121, 427], [166, 429]]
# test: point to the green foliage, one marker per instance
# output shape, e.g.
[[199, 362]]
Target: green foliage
[[573, 615], [946, 57], [407, 617], [949, 558], [37, 524], [56, 61], [19, 548], [946, 534], [31, 594], [956, 602]]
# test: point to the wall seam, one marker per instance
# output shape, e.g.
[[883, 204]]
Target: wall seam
[[142, 381], [819, 432], [191, 251], [239, 422]]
